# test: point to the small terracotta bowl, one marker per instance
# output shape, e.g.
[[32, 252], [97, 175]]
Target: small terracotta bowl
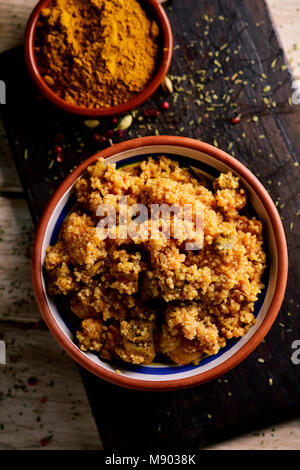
[[207, 160], [160, 16]]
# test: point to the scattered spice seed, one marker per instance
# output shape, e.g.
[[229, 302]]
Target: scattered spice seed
[[91, 123], [270, 381], [224, 46], [273, 63], [261, 360], [167, 85], [25, 154], [125, 122]]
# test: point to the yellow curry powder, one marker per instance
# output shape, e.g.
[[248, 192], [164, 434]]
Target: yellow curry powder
[[96, 53]]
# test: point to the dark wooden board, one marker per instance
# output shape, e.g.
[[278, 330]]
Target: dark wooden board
[[269, 145]]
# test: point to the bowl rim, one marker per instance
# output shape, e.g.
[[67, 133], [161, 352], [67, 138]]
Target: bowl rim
[[245, 350], [167, 51]]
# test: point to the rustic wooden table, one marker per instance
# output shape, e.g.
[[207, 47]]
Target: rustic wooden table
[[41, 404]]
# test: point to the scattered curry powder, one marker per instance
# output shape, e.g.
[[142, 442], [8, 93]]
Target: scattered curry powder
[[96, 53]]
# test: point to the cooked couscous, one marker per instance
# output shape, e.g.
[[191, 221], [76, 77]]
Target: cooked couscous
[[142, 297]]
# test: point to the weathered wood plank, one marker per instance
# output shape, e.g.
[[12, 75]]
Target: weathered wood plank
[[9, 180], [13, 19], [17, 301], [284, 436], [41, 395], [286, 16], [33, 352]]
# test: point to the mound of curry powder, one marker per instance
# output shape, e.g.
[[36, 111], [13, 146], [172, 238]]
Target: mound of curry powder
[[96, 53]]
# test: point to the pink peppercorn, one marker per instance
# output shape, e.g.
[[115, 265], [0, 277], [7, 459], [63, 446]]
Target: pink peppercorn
[[31, 381], [165, 105], [235, 120], [59, 153], [44, 442], [109, 134], [99, 139], [60, 138]]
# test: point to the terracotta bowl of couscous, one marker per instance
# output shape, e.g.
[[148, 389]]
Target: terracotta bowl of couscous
[[159, 309]]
